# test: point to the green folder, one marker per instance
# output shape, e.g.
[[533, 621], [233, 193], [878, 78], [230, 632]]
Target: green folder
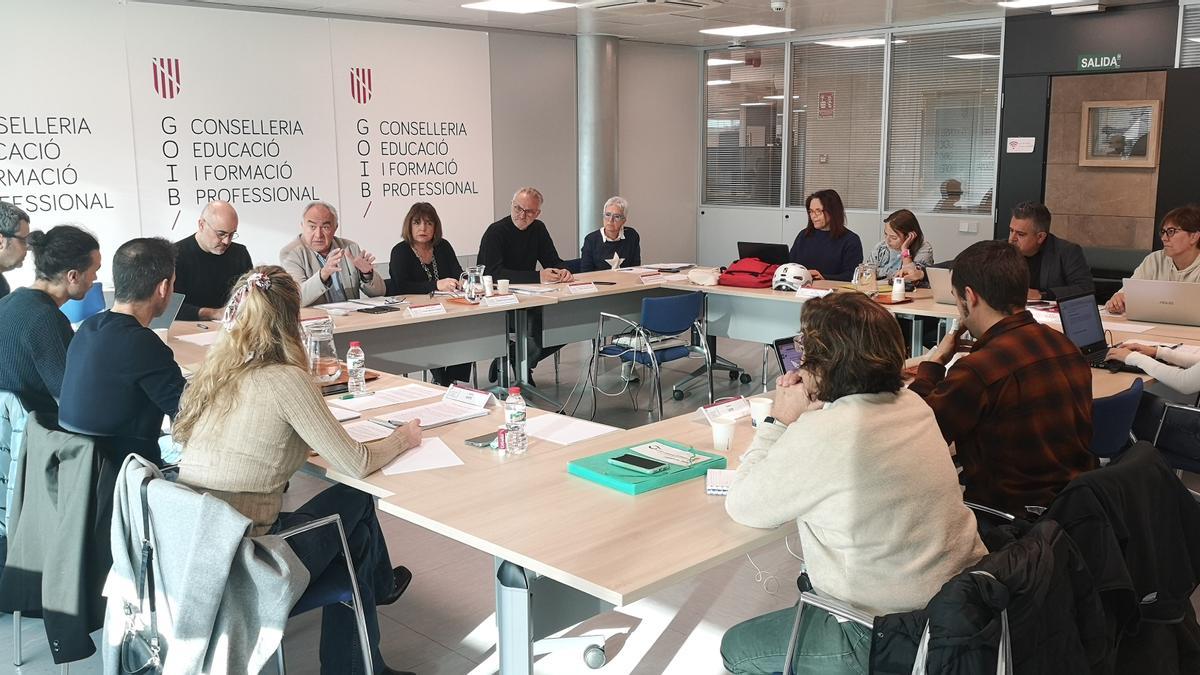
[[597, 469]]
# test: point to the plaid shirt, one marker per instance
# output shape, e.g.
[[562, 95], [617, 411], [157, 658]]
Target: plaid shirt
[[1019, 410]]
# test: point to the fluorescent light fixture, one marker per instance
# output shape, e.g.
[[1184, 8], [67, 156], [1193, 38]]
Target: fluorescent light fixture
[[974, 57], [518, 6], [854, 42], [1193, 39], [1024, 4], [756, 103], [724, 62], [746, 31], [774, 98], [714, 83], [1077, 9], [899, 42]]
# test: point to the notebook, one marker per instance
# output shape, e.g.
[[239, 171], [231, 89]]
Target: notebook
[[717, 481]]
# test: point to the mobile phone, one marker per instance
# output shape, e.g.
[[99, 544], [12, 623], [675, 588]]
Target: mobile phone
[[637, 463], [484, 441], [378, 310], [331, 389]]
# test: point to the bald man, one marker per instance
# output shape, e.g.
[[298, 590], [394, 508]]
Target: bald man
[[209, 262]]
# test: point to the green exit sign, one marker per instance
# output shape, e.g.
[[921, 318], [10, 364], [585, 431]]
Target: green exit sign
[[1098, 62]]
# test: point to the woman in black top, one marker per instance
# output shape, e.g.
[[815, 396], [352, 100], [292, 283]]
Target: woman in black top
[[422, 263]]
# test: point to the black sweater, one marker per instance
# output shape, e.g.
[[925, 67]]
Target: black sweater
[[408, 272], [34, 336], [509, 253], [205, 279], [119, 382], [3, 286], [597, 252]]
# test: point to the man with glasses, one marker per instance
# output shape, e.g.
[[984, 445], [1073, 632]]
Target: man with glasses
[[208, 263], [1057, 268], [511, 249], [328, 268], [614, 245], [1179, 258], [14, 231]]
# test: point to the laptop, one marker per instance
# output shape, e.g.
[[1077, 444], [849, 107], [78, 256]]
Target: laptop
[[165, 319], [1080, 317], [939, 283], [772, 254], [1175, 302], [789, 357]]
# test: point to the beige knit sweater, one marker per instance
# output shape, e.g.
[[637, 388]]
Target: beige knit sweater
[[247, 456], [869, 481]]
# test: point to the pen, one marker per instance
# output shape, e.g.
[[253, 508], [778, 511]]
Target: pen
[[350, 396], [202, 326]]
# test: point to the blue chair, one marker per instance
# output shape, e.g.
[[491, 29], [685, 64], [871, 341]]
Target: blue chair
[[649, 342], [1112, 421], [334, 586], [92, 303]]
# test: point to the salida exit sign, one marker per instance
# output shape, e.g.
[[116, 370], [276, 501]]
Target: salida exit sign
[[1098, 62]]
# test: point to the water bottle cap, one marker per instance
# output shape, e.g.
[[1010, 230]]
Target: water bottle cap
[[514, 390], [354, 344]]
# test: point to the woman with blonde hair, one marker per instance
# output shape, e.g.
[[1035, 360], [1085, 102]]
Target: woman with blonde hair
[[247, 422]]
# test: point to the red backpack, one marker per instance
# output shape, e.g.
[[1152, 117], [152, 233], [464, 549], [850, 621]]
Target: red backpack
[[748, 273]]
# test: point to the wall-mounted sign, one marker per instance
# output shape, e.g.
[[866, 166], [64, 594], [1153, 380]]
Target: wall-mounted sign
[[1020, 145], [1098, 62], [826, 105]]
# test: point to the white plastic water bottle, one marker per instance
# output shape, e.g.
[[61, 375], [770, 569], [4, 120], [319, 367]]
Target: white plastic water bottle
[[514, 423], [356, 367]]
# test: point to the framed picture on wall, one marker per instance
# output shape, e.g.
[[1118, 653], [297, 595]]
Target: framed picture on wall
[[1119, 133]]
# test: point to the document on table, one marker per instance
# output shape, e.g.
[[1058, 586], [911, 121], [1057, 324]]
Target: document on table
[[1050, 316], [564, 430], [208, 337], [532, 289], [340, 306], [365, 431], [434, 414], [432, 453], [385, 397], [341, 414]]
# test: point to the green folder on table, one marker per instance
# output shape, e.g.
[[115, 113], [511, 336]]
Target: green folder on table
[[597, 469]]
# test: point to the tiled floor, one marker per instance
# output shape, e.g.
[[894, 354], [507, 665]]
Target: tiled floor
[[444, 622]]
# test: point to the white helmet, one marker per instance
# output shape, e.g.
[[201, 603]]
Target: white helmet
[[791, 276]]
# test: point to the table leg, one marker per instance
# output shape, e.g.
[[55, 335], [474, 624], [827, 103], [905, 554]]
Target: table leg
[[522, 335]]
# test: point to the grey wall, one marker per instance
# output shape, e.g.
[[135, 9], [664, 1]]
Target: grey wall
[[533, 127], [658, 153]]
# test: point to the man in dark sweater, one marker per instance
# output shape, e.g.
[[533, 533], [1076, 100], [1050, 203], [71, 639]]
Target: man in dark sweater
[[34, 334], [121, 378], [1057, 267], [209, 262], [14, 232], [511, 249]]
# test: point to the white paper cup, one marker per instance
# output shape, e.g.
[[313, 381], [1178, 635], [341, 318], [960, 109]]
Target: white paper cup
[[502, 286], [722, 429], [760, 409], [487, 286]]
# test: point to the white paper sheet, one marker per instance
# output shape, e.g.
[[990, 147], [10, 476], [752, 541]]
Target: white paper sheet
[[436, 414], [208, 337], [432, 453], [341, 414], [1052, 318], [564, 430], [339, 306], [385, 397], [365, 431]]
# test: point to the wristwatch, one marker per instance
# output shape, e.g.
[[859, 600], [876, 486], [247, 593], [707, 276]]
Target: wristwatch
[[768, 420]]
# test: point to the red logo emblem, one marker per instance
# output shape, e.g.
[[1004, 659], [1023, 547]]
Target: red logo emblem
[[360, 84], [165, 73]]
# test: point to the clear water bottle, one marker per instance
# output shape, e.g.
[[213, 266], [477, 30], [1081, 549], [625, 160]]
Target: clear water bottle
[[515, 440], [356, 367]]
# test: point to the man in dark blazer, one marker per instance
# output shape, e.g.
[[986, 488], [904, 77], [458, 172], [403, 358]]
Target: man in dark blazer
[[1057, 268]]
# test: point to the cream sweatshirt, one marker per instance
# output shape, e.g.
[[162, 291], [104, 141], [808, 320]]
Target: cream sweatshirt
[[247, 456], [1181, 371], [1159, 267], [870, 483]]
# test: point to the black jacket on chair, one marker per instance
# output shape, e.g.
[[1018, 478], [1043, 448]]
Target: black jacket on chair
[[1055, 620], [58, 547], [1138, 528]]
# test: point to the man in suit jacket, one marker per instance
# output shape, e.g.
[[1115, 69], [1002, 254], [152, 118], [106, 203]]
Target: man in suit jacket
[[1057, 268], [328, 268]]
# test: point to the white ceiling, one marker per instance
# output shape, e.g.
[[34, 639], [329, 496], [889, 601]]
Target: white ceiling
[[657, 23]]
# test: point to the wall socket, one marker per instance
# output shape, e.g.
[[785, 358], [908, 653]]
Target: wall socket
[[968, 227]]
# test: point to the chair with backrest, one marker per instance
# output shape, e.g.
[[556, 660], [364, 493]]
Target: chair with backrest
[[92, 303], [1173, 428], [653, 341], [1112, 421]]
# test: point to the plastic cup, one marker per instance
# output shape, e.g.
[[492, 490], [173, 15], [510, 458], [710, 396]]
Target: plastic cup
[[722, 429], [760, 409], [502, 286]]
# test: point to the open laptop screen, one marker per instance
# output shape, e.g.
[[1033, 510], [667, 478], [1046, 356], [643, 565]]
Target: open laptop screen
[[1081, 321]]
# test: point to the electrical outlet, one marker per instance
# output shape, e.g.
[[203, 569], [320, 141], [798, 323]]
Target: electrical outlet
[[968, 227]]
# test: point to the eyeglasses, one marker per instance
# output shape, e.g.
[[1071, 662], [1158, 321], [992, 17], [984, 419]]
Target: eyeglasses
[[1168, 232], [813, 212], [527, 213], [614, 216], [223, 235], [17, 237]]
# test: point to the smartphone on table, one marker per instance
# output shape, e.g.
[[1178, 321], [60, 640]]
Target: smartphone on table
[[484, 441], [637, 463]]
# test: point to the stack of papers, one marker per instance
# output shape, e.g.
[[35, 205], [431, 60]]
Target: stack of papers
[[717, 481], [341, 414], [366, 431], [532, 289], [564, 430], [385, 397], [434, 414]]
